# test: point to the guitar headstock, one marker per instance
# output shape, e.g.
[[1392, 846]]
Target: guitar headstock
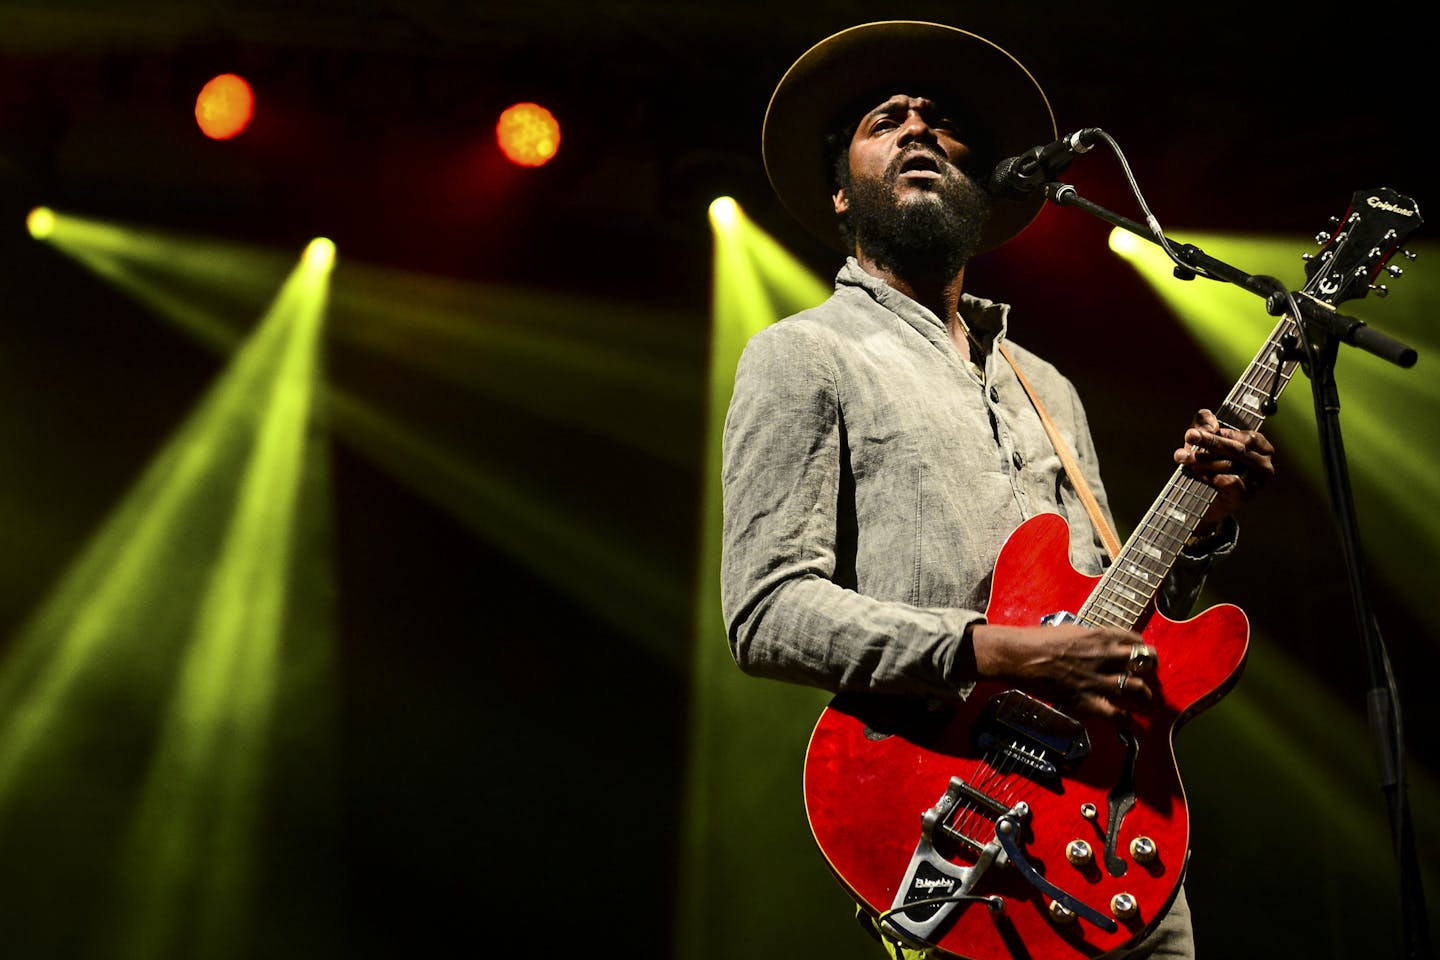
[[1364, 240]]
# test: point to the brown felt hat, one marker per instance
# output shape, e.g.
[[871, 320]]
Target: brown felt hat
[[849, 72]]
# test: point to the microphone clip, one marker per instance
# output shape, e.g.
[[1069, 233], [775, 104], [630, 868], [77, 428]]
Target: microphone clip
[[1019, 177]]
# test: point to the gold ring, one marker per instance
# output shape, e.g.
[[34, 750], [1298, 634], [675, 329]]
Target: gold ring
[[1124, 678], [1141, 659]]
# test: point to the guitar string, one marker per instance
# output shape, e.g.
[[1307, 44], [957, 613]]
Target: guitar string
[[976, 815]]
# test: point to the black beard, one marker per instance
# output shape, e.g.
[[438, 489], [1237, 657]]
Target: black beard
[[920, 235]]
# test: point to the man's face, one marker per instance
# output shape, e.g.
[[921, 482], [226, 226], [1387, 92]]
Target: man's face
[[908, 196]]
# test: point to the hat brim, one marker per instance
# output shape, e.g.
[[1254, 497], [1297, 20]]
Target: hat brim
[[827, 86]]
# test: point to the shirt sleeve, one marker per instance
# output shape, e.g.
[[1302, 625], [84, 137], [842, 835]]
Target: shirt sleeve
[[786, 616], [1187, 577]]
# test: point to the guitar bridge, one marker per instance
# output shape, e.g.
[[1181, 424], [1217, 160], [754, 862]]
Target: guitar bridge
[[934, 887], [977, 799]]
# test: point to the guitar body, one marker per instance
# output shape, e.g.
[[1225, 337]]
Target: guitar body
[[876, 765]]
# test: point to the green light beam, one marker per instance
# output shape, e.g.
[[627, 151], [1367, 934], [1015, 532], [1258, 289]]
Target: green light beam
[[173, 275], [611, 371], [746, 736], [190, 858], [1390, 416], [97, 725], [616, 372]]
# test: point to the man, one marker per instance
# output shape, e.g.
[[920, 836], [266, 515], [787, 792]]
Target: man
[[879, 448]]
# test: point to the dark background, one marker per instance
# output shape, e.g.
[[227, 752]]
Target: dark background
[[477, 700]]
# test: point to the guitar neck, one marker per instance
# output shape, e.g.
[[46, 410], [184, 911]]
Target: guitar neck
[[1376, 223], [1133, 579]]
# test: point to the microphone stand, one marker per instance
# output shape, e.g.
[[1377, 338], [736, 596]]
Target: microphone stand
[[1328, 329]]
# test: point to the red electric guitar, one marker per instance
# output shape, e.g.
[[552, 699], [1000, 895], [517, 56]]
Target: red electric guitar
[[1000, 828]]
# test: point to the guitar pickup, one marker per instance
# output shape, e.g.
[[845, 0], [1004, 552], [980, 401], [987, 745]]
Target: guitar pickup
[[1041, 739]]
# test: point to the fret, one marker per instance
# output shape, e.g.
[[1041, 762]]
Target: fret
[[1265, 378], [1123, 616]]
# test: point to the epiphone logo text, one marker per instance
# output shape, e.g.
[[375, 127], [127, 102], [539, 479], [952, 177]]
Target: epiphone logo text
[[925, 883], [1379, 204]]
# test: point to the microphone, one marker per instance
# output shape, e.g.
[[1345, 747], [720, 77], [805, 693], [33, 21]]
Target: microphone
[[1019, 177]]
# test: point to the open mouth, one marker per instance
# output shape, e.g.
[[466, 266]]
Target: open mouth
[[920, 164]]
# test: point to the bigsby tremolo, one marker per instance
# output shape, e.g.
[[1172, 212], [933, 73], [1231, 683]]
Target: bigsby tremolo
[[934, 887]]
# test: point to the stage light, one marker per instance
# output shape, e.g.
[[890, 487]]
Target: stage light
[[1124, 243], [528, 134], [320, 253], [724, 213], [40, 222], [224, 107]]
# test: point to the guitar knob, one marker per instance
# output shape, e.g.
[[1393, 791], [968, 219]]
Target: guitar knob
[[1061, 913], [1123, 905], [1088, 811], [1079, 853], [1143, 849]]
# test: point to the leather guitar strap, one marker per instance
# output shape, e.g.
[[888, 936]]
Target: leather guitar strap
[[1077, 479]]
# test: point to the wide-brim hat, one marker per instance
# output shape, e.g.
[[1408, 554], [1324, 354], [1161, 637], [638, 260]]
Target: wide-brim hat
[[847, 73]]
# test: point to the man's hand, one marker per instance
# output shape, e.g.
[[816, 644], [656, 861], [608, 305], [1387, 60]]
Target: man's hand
[[1237, 463], [1098, 670]]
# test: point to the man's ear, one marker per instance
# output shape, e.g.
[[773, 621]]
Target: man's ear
[[842, 202]]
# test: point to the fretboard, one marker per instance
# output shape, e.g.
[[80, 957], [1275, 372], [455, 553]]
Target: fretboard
[[1127, 588]]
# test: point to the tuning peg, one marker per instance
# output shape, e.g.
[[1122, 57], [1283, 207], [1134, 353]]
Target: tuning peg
[[1394, 271], [1380, 290], [1322, 237], [1407, 254]]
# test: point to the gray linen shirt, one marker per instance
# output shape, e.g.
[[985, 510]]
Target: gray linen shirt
[[870, 478]]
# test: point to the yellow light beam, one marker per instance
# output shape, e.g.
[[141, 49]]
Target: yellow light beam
[[744, 735], [609, 370], [186, 589], [1389, 416], [191, 848]]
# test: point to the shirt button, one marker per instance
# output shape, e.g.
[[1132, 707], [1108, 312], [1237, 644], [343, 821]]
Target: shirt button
[[1018, 460], [994, 395]]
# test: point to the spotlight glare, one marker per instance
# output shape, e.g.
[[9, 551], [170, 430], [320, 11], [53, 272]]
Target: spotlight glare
[[224, 107], [1123, 242], [528, 134], [724, 213], [320, 253], [40, 222]]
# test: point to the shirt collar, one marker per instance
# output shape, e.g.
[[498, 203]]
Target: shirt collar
[[986, 317]]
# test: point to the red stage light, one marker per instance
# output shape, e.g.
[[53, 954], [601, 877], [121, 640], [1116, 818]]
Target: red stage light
[[224, 106], [528, 134]]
